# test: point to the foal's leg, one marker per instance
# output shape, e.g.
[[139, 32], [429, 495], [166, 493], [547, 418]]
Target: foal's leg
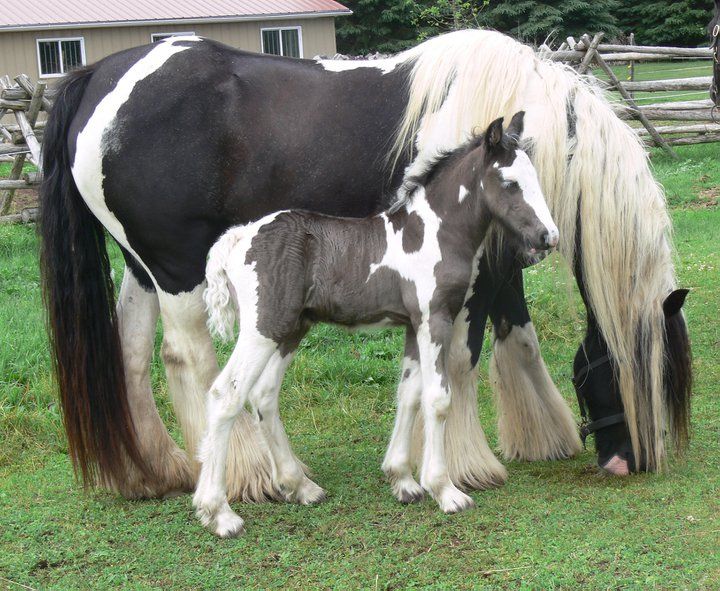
[[397, 463], [534, 421], [191, 366], [434, 475], [137, 312], [225, 402], [288, 472], [471, 462]]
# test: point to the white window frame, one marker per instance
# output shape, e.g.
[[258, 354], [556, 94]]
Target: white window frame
[[58, 40], [171, 34], [297, 28]]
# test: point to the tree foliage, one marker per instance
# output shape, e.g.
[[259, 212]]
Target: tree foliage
[[530, 20], [385, 26], [392, 25], [683, 22]]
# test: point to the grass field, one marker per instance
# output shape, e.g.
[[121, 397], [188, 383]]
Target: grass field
[[559, 525]]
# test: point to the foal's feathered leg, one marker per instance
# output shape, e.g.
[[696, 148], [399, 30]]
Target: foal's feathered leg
[[288, 472], [225, 402], [191, 366], [534, 421], [137, 312], [434, 477], [397, 464]]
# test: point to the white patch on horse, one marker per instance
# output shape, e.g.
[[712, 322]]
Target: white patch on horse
[[462, 193], [496, 164], [384, 65], [90, 147], [524, 174]]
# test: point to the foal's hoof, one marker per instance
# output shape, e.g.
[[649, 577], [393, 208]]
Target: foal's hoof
[[229, 526], [452, 500], [408, 491]]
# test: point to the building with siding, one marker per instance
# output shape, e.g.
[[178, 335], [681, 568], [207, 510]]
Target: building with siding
[[46, 38]]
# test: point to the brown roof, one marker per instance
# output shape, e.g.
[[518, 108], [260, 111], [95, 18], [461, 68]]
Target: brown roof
[[53, 14]]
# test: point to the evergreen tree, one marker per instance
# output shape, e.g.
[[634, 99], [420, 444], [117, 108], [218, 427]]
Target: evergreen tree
[[375, 25], [533, 21], [680, 23]]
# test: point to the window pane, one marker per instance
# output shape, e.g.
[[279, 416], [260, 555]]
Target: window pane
[[291, 43], [49, 57], [71, 55], [271, 42]]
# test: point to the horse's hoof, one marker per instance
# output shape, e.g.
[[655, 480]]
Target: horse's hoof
[[309, 493], [616, 466]]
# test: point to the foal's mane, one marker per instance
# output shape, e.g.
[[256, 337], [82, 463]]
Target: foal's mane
[[433, 165]]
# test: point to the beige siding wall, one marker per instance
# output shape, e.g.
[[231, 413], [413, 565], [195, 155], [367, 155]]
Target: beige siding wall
[[18, 51]]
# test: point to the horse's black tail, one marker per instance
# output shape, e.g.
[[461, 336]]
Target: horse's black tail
[[80, 301]]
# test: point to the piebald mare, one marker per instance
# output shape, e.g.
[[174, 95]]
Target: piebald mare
[[411, 267]]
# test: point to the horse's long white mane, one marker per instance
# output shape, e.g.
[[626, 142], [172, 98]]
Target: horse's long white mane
[[590, 163]]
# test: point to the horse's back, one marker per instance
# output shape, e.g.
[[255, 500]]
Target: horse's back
[[195, 136]]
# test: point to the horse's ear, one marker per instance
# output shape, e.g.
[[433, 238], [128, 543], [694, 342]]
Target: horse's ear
[[517, 124], [674, 301], [494, 133]]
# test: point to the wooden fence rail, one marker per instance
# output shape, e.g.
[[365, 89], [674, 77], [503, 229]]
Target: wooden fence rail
[[25, 101], [590, 51]]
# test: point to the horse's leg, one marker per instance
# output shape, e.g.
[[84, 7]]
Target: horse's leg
[[434, 476], [225, 402], [191, 366], [397, 463], [534, 421], [288, 472], [137, 312]]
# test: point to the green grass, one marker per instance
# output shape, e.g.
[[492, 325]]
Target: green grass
[[555, 525]]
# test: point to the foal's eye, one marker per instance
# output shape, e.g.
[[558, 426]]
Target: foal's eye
[[509, 185]]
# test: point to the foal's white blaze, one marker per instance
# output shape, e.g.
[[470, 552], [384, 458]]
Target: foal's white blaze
[[90, 148], [463, 193], [524, 174]]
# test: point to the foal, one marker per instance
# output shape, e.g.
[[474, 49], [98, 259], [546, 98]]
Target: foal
[[411, 266]]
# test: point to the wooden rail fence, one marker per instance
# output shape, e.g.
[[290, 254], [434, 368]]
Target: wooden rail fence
[[675, 130], [21, 141]]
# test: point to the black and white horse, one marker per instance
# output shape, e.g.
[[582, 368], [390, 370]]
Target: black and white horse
[[168, 145], [410, 267]]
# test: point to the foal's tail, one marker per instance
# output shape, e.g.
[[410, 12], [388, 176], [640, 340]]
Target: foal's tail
[[219, 300], [80, 301]]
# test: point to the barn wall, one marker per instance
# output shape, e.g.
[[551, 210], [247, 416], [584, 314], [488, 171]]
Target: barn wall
[[18, 53]]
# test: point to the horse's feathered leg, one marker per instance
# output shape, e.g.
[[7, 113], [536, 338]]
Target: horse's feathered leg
[[170, 471], [191, 366], [534, 421]]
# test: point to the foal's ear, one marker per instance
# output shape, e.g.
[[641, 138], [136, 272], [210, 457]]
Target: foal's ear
[[674, 301], [517, 124], [494, 133]]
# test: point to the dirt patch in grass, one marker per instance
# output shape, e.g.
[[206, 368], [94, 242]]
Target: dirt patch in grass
[[707, 198], [23, 199]]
